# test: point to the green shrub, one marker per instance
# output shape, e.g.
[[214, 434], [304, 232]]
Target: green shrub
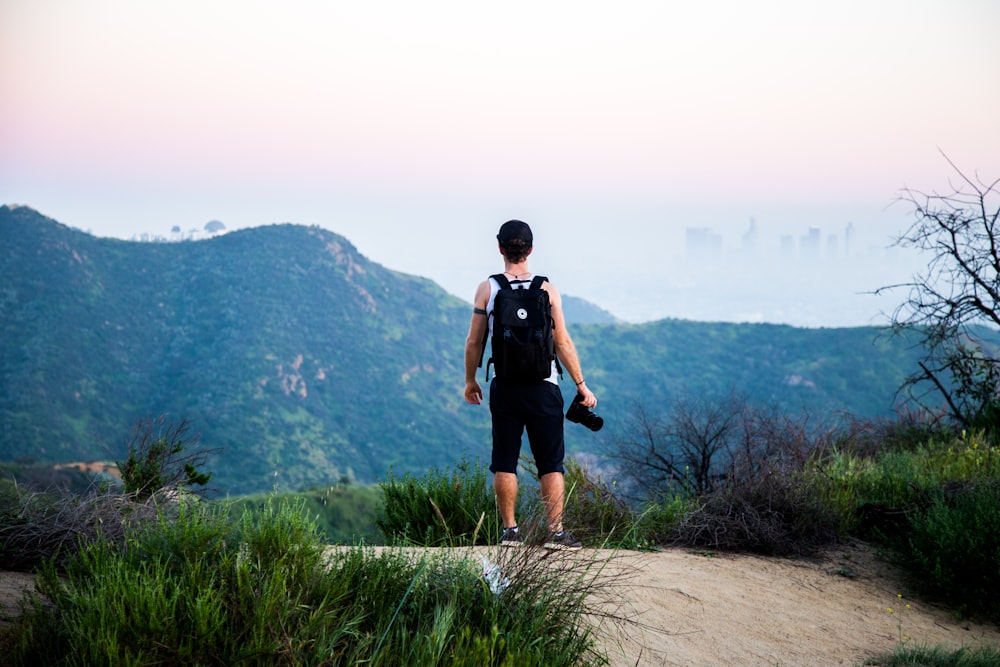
[[344, 513], [873, 495], [972, 455], [656, 522], [440, 509], [867, 496], [939, 656], [159, 455], [953, 546], [593, 511]]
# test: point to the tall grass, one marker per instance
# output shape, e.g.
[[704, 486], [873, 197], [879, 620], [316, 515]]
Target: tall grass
[[194, 588], [440, 508], [344, 513], [458, 508], [897, 479], [953, 547], [596, 515], [938, 656]]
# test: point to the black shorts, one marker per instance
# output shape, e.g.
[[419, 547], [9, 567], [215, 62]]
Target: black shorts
[[536, 407]]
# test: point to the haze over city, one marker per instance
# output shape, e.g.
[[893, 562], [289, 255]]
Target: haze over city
[[622, 133]]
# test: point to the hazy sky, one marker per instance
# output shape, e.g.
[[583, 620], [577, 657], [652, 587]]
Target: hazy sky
[[415, 128]]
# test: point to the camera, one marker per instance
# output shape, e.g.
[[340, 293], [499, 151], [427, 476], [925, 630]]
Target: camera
[[578, 413]]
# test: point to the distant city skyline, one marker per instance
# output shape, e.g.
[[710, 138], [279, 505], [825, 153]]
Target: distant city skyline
[[814, 243]]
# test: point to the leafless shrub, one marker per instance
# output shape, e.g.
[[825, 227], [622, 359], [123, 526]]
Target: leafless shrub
[[36, 527], [683, 449], [761, 507], [771, 515]]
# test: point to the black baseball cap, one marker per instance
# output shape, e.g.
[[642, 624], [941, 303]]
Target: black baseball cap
[[515, 230]]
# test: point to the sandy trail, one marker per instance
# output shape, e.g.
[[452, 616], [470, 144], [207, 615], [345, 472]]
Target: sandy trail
[[710, 610]]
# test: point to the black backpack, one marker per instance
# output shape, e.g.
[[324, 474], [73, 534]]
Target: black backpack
[[523, 348]]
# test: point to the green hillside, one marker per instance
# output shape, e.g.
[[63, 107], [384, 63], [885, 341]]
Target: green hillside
[[304, 362], [820, 370], [283, 345]]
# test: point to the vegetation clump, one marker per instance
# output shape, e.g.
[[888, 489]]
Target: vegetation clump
[[160, 455], [195, 588], [161, 577], [440, 508]]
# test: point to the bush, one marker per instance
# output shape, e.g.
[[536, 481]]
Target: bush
[[344, 514], [868, 496], [656, 522], [771, 513], [875, 495], [439, 509], [55, 526], [596, 515], [160, 455], [939, 656], [953, 547], [909, 430]]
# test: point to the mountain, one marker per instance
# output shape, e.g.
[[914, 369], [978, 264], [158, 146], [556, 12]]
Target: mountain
[[304, 362], [581, 311], [282, 344]]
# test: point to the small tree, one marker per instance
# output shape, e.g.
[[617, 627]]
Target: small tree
[[214, 226], [160, 456], [959, 293]]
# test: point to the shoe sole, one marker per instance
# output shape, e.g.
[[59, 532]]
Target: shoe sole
[[555, 546]]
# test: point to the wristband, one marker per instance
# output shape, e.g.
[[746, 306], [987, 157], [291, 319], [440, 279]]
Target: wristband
[[579, 383]]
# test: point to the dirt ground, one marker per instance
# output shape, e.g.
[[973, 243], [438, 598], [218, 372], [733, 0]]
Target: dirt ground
[[697, 610], [709, 610]]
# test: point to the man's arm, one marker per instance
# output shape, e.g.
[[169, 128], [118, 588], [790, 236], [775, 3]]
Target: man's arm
[[565, 349], [474, 343]]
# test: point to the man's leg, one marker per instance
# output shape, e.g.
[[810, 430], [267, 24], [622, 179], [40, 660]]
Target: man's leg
[[553, 489], [505, 486]]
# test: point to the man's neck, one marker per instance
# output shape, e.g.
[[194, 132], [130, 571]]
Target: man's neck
[[519, 271]]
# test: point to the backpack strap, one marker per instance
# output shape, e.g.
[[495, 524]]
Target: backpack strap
[[504, 284], [501, 280], [536, 283]]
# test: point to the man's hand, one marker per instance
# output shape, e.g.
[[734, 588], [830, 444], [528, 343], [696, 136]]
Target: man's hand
[[588, 399], [473, 393]]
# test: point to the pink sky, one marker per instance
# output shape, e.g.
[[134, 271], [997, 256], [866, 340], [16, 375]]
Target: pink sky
[[374, 119]]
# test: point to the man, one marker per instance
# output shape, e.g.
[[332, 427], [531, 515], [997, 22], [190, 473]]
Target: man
[[534, 406]]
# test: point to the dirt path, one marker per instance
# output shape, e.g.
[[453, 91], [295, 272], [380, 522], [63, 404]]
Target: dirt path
[[12, 588], [711, 610]]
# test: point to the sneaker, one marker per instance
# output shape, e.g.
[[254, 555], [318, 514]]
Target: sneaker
[[511, 537], [563, 540]]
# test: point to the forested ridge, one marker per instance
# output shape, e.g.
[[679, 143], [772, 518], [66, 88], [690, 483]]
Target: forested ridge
[[302, 362]]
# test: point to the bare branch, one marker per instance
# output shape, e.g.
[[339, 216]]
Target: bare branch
[[959, 290]]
